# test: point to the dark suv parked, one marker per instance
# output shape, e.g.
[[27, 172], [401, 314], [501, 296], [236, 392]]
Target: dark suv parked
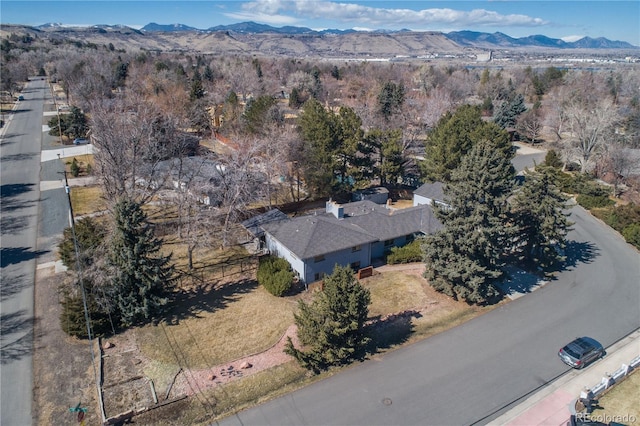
[[581, 352]]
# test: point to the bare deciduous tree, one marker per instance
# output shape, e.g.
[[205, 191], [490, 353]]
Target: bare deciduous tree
[[592, 126], [131, 139], [529, 125]]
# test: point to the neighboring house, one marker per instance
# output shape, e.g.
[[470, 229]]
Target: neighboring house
[[428, 194], [350, 234], [378, 195]]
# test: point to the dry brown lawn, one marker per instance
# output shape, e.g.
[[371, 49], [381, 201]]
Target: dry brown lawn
[[622, 402], [86, 200]]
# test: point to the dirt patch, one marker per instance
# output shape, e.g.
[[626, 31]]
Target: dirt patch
[[62, 365]]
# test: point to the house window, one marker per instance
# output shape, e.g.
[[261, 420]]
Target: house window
[[356, 248], [319, 258], [388, 243], [355, 265], [318, 276]]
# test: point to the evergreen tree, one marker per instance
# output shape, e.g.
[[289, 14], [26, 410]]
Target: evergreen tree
[[208, 74], [335, 73], [295, 98], [454, 136], [73, 125], [89, 235], [350, 165], [318, 130], [390, 99], [386, 147], [331, 327], [72, 315], [197, 90], [508, 112], [464, 258], [256, 113], [539, 214], [143, 276]]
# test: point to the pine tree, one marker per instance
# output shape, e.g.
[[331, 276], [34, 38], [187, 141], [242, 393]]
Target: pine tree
[[197, 90], [350, 165], [539, 213], [390, 99], [72, 315], [89, 235], [318, 130], [465, 258], [506, 115], [143, 276], [331, 327], [454, 136]]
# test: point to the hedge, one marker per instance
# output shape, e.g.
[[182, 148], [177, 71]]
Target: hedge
[[275, 275], [406, 254]]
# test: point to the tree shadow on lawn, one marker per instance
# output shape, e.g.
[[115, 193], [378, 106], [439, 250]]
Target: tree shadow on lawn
[[206, 297], [389, 331]]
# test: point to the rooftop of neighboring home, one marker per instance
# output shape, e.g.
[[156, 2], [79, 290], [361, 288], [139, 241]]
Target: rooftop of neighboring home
[[433, 191]]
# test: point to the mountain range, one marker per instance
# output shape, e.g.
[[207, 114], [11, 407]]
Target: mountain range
[[463, 38]]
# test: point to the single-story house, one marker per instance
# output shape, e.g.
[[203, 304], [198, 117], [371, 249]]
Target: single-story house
[[429, 193], [349, 234]]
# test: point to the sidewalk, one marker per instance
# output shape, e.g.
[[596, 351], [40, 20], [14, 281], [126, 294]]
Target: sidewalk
[[554, 405]]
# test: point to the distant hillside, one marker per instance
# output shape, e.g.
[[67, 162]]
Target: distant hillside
[[500, 40], [167, 28], [249, 38], [463, 38]]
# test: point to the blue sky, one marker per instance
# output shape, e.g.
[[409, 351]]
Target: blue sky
[[569, 20]]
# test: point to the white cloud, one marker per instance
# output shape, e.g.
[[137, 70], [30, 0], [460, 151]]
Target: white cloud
[[275, 10]]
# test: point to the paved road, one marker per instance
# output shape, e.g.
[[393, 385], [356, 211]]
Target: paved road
[[479, 370], [20, 195]]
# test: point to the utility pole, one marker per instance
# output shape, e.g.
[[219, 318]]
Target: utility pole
[[83, 291]]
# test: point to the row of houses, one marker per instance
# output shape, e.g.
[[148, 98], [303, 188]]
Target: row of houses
[[354, 234]]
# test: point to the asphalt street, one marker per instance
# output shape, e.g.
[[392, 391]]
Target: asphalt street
[[475, 372], [20, 147]]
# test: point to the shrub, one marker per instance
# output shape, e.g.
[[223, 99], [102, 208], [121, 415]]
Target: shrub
[[621, 217], [72, 317], [75, 168], [407, 254], [552, 159], [275, 275], [594, 201], [631, 234]]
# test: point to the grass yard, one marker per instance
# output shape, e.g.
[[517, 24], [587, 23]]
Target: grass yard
[[85, 163], [621, 403], [397, 291], [87, 200], [226, 322]]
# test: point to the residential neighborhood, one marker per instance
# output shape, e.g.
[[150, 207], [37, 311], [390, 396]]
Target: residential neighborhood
[[250, 224]]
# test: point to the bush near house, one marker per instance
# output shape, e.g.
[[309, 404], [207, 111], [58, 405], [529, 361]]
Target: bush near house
[[406, 254], [275, 275]]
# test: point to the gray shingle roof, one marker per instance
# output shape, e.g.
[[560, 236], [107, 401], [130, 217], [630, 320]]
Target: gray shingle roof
[[310, 236], [364, 222], [434, 191], [254, 225]]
